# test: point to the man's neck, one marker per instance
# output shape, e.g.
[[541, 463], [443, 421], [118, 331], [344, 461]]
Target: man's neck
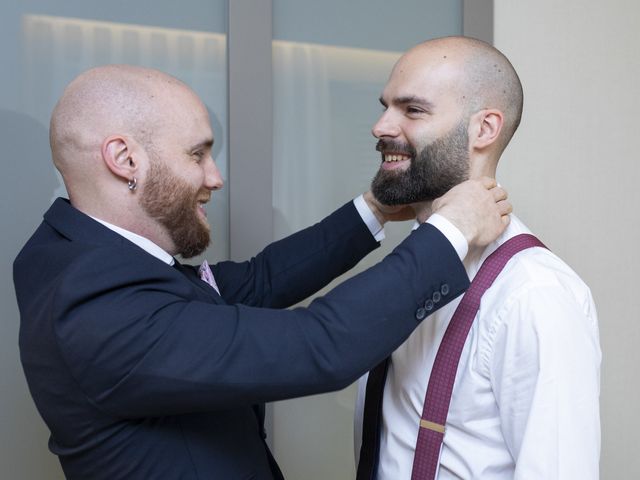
[[129, 217], [423, 210]]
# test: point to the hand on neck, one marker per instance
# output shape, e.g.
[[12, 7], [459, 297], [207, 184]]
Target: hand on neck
[[423, 210], [480, 166]]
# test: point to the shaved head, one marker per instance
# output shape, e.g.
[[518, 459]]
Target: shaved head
[[483, 76], [133, 146], [103, 101]]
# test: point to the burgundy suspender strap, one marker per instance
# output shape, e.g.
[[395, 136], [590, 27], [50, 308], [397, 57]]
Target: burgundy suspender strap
[[443, 373]]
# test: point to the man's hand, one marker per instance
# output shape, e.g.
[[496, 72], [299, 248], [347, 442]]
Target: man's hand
[[386, 213], [479, 208]]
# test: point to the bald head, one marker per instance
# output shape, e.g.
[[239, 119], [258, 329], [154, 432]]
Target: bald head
[[482, 76], [103, 101]]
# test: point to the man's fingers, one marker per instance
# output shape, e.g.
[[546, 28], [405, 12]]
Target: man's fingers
[[479, 208], [504, 207], [488, 182], [499, 193]]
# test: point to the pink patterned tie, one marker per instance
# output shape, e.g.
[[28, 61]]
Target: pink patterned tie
[[205, 273]]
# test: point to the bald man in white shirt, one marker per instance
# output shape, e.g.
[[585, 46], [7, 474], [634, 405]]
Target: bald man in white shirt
[[525, 401]]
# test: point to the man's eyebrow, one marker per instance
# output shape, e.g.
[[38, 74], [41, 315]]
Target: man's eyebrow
[[204, 144], [414, 99]]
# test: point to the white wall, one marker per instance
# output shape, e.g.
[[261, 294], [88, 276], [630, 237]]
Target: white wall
[[573, 169]]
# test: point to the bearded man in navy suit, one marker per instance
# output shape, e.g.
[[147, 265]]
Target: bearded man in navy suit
[[139, 368]]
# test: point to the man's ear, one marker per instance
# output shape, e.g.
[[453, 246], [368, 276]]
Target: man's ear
[[118, 157], [486, 128]]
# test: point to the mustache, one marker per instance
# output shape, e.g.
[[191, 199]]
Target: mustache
[[393, 146]]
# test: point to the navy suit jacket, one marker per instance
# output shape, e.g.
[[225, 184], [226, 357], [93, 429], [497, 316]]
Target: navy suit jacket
[[142, 371]]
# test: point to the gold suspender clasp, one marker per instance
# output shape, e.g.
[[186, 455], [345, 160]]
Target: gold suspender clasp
[[436, 427]]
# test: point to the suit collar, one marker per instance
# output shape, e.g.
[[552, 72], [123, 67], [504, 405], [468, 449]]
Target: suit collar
[[143, 242], [71, 223], [75, 225]]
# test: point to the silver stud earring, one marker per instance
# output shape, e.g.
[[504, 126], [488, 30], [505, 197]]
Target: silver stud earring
[[133, 184]]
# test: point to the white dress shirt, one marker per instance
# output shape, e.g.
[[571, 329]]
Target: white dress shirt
[[525, 400]]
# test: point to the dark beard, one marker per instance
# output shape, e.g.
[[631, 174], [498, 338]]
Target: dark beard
[[173, 202], [439, 166]]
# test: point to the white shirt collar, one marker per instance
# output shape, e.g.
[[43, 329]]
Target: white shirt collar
[[144, 243]]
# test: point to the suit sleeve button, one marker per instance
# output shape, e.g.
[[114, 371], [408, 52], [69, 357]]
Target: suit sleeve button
[[436, 297], [444, 289], [421, 313], [428, 305]]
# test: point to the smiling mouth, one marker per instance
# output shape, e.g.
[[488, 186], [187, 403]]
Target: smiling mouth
[[395, 157], [201, 206], [395, 161]]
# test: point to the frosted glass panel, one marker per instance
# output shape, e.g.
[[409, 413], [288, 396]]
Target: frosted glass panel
[[43, 45], [331, 60], [324, 98]]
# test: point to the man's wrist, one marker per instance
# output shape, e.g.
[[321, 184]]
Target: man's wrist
[[451, 232], [369, 218]]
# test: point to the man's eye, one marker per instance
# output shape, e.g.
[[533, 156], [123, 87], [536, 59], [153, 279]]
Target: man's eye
[[414, 110], [199, 155]]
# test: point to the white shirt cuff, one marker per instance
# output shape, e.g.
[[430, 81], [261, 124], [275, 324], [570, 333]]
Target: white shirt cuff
[[453, 234], [369, 218]]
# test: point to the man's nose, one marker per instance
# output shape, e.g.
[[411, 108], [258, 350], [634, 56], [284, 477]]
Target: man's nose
[[385, 126], [213, 179]]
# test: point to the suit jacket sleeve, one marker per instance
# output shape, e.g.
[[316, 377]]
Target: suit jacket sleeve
[[289, 270], [139, 344]]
